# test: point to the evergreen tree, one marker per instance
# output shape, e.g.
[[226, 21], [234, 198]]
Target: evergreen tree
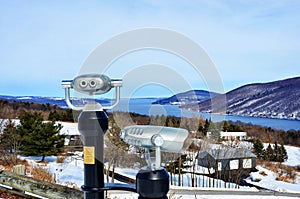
[[282, 154], [40, 138], [269, 153], [68, 115], [54, 115], [235, 127], [206, 126], [276, 152], [226, 126], [258, 148]]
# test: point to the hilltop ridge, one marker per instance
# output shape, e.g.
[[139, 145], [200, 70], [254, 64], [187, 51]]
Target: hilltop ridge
[[278, 99]]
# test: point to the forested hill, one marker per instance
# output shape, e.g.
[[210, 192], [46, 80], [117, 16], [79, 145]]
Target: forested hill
[[14, 106], [279, 99], [13, 109], [188, 97]]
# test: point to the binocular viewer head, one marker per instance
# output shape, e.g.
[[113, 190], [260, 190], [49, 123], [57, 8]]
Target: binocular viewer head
[[150, 137], [92, 84]]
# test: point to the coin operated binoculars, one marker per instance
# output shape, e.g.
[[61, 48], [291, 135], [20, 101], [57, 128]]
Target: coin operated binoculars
[[152, 181], [92, 125]]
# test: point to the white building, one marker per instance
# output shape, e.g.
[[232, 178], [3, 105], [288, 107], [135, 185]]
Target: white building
[[231, 135]]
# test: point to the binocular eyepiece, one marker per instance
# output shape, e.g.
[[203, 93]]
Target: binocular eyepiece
[[92, 84]]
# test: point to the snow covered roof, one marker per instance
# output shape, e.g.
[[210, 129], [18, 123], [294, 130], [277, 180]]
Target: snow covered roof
[[234, 134], [228, 153]]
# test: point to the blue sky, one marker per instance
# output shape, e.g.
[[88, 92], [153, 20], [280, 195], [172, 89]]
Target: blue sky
[[44, 42]]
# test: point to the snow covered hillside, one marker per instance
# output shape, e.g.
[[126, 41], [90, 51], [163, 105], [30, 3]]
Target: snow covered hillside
[[70, 173], [73, 165], [293, 156]]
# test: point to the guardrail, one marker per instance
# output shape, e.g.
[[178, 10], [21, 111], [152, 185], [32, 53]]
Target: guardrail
[[38, 187]]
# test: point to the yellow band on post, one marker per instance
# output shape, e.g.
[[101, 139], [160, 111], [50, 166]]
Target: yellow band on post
[[89, 154]]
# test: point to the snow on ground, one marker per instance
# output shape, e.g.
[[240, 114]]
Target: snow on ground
[[69, 128], [267, 179], [130, 173], [71, 173], [293, 156]]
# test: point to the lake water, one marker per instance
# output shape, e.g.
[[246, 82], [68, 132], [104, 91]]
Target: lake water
[[144, 106]]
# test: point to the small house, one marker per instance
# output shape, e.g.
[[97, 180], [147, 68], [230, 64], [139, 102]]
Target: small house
[[73, 140], [227, 159]]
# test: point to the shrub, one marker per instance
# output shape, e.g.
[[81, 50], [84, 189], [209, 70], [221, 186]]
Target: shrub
[[60, 159], [41, 173], [262, 173]]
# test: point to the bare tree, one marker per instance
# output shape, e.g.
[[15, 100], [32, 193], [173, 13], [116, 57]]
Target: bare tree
[[115, 147], [191, 124], [158, 120], [196, 147], [121, 120], [10, 141]]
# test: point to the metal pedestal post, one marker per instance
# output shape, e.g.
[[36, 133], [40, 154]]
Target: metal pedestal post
[[93, 125], [152, 184]]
